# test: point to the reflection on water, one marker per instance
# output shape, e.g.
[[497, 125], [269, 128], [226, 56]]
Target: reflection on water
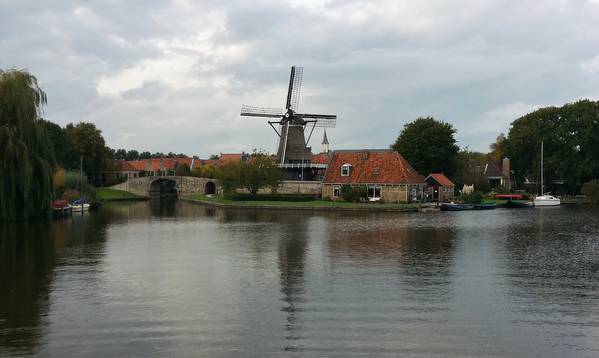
[[168, 278]]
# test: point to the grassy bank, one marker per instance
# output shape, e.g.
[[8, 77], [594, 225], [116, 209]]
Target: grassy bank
[[107, 194], [303, 204]]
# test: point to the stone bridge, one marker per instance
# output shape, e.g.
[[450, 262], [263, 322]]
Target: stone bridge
[[168, 185]]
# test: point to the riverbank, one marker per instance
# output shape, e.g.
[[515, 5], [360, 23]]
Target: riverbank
[[315, 204], [107, 194]]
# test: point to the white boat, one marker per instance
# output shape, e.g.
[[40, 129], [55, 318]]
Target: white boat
[[79, 206], [545, 199]]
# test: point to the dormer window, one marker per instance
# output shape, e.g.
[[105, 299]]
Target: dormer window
[[345, 170]]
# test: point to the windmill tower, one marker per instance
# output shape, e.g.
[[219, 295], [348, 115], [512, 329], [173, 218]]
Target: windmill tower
[[292, 150]]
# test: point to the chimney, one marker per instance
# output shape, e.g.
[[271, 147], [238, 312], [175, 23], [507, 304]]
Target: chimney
[[505, 169]]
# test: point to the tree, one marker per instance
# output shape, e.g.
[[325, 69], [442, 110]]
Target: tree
[[570, 136], [229, 177], [26, 153], [182, 170], [132, 155], [429, 146], [120, 154], [64, 153], [88, 142], [497, 148], [259, 172]]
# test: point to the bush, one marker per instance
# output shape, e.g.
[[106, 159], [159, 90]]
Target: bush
[[182, 171], [591, 190], [473, 198], [354, 194]]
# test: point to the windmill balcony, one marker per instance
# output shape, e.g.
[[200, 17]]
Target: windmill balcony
[[303, 165]]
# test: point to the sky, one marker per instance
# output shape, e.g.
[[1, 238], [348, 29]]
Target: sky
[[172, 75]]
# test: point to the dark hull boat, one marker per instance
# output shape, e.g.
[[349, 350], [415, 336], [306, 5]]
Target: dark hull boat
[[456, 207], [485, 206], [518, 204]]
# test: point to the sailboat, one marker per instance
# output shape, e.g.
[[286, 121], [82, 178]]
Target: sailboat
[[545, 199], [80, 205]]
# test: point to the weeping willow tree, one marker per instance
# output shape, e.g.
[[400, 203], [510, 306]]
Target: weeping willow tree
[[26, 153]]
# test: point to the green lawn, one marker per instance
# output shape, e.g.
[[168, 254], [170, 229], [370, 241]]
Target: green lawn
[[316, 203], [113, 194]]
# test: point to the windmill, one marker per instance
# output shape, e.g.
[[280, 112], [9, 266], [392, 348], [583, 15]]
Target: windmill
[[293, 150]]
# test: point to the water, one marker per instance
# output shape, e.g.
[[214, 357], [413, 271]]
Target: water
[[175, 279]]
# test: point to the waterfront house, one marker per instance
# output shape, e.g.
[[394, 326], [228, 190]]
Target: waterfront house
[[386, 174], [496, 175], [440, 187]]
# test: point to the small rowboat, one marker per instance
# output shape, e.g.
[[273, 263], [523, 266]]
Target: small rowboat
[[456, 207]]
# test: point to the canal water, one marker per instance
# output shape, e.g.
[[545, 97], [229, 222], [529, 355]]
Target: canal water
[[177, 279]]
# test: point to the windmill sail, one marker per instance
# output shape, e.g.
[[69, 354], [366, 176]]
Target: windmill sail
[[292, 147]]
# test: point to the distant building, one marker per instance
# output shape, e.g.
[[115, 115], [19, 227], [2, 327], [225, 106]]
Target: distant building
[[497, 177], [387, 176], [440, 188]]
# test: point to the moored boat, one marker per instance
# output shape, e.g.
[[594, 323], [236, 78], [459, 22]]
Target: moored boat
[[80, 206], [547, 200], [485, 206], [61, 208], [456, 207], [518, 204]]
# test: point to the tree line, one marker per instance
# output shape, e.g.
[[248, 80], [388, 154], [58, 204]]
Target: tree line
[[570, 136]]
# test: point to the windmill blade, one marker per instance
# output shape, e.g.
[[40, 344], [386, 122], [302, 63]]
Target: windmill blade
[[252, 111], [320, 120], [297, 88]]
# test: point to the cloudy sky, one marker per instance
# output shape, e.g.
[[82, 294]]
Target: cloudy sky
[[172, 75]]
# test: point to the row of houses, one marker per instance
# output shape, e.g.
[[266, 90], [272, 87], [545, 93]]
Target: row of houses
[[115, 170]]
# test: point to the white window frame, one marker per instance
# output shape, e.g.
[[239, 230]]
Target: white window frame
[[344, 168], [336, 191]]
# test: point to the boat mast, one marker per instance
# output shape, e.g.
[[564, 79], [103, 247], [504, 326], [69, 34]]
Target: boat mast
[[542, 189], [81, 177]]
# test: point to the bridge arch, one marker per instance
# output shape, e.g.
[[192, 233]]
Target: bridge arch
[[163, 188], [210, 188]]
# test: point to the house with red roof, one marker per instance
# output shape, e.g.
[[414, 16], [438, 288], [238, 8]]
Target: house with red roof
[[386, 174], [440, 187]]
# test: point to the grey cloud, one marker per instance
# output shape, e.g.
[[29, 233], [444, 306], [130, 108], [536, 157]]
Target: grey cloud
[[474, 64]]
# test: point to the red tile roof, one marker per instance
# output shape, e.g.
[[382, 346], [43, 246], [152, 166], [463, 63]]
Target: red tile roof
[[371, 167], [224, 157], [156, 164], [441, 179], [321, 158]]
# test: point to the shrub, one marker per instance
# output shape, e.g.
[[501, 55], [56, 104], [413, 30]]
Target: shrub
[[473, 198], [183, 171], [591, 190], [353, 194]]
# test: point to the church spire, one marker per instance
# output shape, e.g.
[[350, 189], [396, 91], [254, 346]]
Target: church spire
[[325, 142]]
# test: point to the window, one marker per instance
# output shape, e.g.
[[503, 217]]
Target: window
[[374, 191], [336, 191], [345, 170]]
